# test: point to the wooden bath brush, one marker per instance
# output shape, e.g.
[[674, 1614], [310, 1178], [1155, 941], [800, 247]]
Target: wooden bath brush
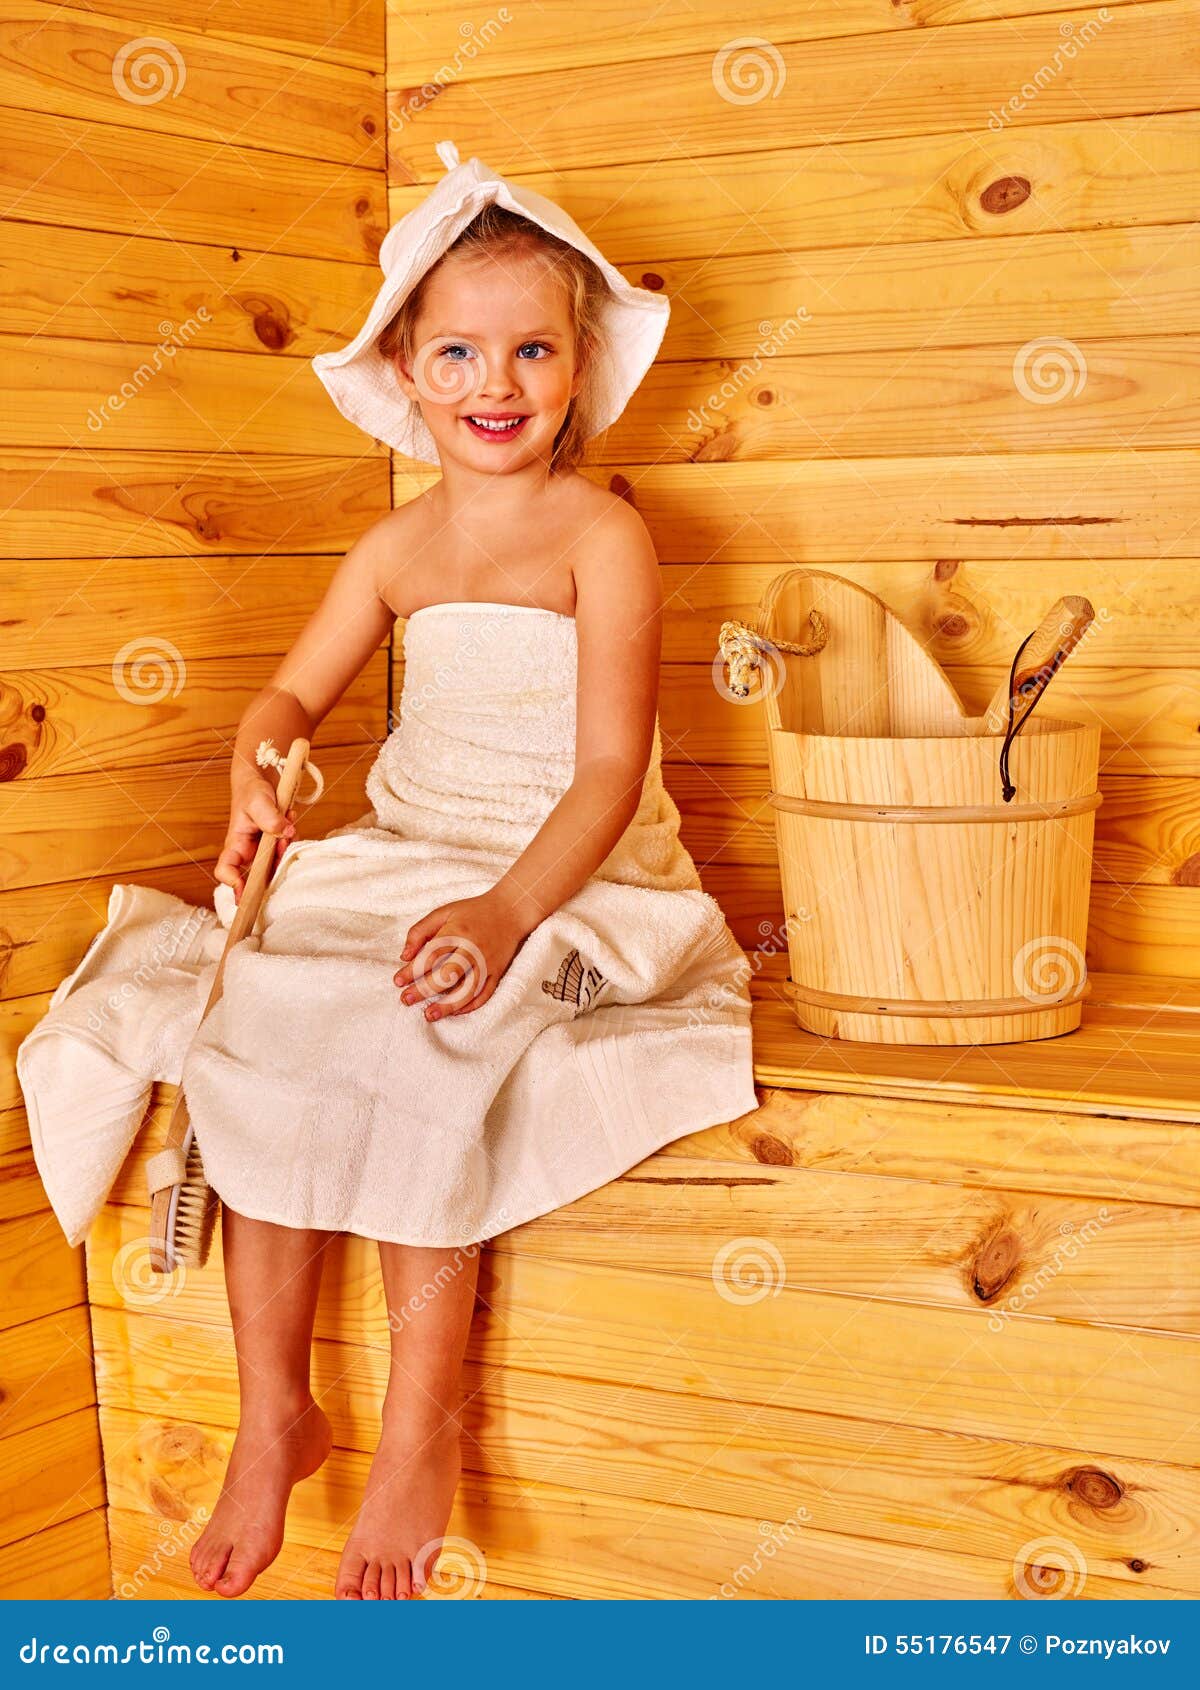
[[183, 1206]]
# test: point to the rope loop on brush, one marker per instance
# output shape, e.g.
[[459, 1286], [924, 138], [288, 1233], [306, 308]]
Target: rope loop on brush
[[268, 757]]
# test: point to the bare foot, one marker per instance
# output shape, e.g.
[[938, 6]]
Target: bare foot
[[392, 1550], [270, 1454]]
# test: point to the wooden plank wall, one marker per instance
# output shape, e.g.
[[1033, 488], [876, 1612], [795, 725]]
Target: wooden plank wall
[[191, 200], [933, 273]]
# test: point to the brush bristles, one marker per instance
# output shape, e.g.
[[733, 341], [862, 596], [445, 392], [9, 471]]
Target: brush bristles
[[195, 1213]]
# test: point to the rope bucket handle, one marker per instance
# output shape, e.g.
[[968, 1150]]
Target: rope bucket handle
[[742, 647]]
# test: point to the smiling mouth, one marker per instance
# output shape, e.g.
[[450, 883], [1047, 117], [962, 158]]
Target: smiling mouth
[[495, 428]]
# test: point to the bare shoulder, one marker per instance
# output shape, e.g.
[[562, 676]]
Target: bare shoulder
[[387, 552], [613, 558]]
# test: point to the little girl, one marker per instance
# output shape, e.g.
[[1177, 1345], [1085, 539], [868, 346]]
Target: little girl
[[518, 814]]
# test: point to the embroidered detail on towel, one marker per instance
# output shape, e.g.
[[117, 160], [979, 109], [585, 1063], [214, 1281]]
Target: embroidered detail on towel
[[575, 982]]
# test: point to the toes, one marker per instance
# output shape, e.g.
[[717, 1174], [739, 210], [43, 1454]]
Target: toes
[[209, 1567], [371, 1582], [404, 1582], [349, 1578], [387, 1583], [238, 1576]]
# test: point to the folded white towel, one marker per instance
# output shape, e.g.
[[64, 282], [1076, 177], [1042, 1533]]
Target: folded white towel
[[319, 1098]]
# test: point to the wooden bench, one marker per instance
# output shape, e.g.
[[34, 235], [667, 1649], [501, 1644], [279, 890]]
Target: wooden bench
[[922, 1325]]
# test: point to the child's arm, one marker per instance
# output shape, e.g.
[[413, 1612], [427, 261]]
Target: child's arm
[[618, 619], [347, 627]]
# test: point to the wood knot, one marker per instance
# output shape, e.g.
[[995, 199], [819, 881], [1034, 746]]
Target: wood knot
[[13, 759], [767, 1148], [1005, 194], [1136, 1565], [1093, 1486], [764, 397], [38, 712], [652, 281], [369, 126], [166, 1502], [1188, 873], [953, 626], [995, 1264], [271, 322], [236, 256], [944, 568]]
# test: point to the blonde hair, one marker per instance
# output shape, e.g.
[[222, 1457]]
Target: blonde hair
[[494, 232]]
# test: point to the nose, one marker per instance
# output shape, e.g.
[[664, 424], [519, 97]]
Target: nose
[[500, 379]]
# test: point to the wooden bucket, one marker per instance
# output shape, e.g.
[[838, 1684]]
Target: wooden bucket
[[921, 907]]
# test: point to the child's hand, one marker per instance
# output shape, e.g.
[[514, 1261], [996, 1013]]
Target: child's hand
[[252, 813], [473, 942]]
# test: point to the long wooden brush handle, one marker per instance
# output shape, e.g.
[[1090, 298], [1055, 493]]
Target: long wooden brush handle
[[255, 886], [1056, 637]]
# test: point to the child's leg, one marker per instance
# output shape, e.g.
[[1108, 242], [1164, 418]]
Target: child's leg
[[430, 1300], [272, 1276]]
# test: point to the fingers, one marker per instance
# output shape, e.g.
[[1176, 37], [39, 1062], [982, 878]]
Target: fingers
[[480, 998], [451, 980], [417, 934], [261, 808]]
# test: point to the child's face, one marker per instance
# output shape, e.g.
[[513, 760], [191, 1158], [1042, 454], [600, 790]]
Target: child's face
[[494, 343]]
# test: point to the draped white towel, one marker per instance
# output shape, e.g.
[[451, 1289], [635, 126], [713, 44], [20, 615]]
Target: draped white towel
[[319, 1099]]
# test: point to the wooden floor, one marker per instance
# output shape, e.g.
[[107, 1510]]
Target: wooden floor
[[923, 1325]]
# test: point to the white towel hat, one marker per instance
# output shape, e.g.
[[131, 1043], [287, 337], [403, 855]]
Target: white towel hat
[[362, 383]]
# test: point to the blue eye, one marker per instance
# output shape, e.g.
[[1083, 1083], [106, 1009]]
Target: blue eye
[[540, 344], [457, 346]]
